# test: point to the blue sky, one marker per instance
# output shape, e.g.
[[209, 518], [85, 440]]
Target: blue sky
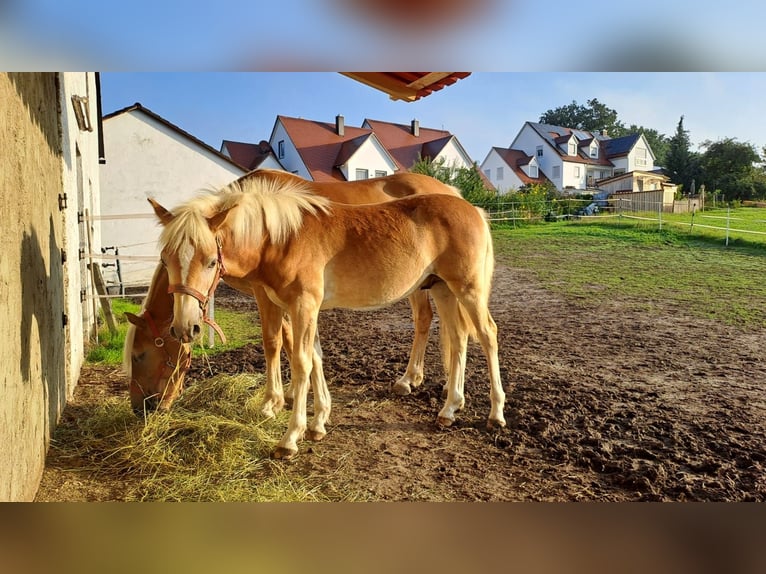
[[329, 35], [482, 110]]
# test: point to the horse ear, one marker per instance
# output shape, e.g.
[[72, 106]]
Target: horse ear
[[136, 320], [217, 220], [164, 215]]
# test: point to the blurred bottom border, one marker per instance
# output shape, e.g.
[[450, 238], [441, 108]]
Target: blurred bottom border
[[383, 537]]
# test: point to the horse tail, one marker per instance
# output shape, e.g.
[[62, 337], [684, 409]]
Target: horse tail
[[488, 271]]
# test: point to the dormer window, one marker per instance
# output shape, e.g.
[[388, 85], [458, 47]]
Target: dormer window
[[533, 171], [594, 150], [572, 147]]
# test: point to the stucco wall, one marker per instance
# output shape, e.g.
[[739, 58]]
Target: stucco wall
[[33, 385]]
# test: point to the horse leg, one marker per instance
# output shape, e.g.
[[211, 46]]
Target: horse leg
[[303, 318], [272, 334], [287, 345], [322, 400], [454, 336], [476, 307], [422, 314]]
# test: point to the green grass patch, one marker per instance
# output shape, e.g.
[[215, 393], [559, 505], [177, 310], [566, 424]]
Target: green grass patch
[[597, 261], [240, 328]]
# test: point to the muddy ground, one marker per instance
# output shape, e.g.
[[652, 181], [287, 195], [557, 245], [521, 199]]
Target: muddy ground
[[608, 403]]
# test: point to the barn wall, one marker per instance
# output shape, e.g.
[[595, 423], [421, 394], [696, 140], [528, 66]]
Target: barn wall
[[145, 158], [32, 303]]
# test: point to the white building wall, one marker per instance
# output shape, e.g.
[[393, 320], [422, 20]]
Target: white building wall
[[510, 181], [370, 156], [81, 186], [453, 155], [145, 158], [527, 140], [291, 160], [571, 178]]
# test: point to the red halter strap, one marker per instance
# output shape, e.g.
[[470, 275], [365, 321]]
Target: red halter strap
[[202, 298]]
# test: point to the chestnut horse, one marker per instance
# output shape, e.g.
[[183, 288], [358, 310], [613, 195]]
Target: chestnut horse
[[154, 383], [308, 253]]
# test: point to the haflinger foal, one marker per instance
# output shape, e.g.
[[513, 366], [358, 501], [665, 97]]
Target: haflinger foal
[[309, 254], [156, 363]]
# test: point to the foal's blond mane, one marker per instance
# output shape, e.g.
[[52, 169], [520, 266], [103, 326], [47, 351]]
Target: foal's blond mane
[[268, 205]]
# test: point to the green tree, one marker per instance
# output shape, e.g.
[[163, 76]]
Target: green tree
[[593, 117], [731, 167], [467, 179], [681, 163]]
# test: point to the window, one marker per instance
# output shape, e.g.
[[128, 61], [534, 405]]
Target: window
[[380, 173], [362, 174], [593, 150], [577, 171], [539, 151], [281, 149], [533, 171], [488, 173], [641, 156], [499, 173], [556, 171], [572, 148]]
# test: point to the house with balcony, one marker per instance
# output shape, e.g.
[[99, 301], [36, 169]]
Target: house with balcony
[[572, 160]]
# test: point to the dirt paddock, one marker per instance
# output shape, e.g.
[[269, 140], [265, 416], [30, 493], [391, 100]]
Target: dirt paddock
[[610, 403]]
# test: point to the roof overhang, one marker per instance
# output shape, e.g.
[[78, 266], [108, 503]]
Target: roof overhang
[[407, 86]]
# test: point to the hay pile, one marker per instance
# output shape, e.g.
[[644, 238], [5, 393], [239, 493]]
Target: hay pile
[[213, 445]]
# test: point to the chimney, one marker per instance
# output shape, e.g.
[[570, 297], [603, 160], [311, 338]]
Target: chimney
[[415, 128], [603, 132], [340, 127]]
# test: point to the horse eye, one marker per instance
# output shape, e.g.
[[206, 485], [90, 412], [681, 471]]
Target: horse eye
[[212, 263]]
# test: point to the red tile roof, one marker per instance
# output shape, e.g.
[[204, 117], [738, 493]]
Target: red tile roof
[[515, 159], [320, 146], [405, 147], [248, 155]]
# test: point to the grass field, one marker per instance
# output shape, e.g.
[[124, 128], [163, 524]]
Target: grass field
[[746, 225], [593, 261]]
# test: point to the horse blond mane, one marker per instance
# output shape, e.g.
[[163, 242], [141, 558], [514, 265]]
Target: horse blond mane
[[262, 203]]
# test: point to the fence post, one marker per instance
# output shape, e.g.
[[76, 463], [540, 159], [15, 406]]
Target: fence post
[[659, 215], [728, 214]]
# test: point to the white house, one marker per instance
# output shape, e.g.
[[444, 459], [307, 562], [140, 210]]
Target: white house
[[571, 159], [322, 151], [147, 156], [407, 143], [511, 169]]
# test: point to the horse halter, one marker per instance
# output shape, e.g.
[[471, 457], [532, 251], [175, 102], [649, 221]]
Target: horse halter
[[159, 342], [202, 298]]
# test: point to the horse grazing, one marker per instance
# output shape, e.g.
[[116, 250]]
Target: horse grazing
[[154, 384], [308, 254], [154, 361]]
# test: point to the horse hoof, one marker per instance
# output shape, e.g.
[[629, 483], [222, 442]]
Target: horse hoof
[[402, 388], [444, 422], [284, 453], [316, 436], [495, 425]]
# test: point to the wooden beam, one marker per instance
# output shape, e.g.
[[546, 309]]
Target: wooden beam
[[427, 80], [381, 81]]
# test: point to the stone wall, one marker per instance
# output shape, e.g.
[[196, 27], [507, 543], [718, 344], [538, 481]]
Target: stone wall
[[33, 387]]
